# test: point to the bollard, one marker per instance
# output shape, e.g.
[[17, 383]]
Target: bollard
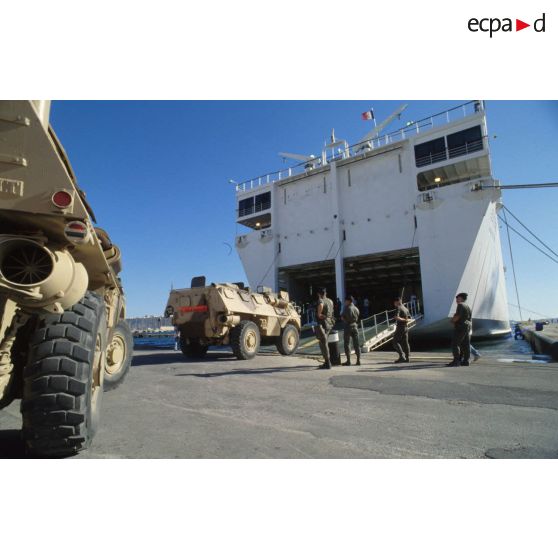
[[333, 344]]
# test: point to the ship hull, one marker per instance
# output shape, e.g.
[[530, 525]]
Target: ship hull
[[442, 330], [388, 222]]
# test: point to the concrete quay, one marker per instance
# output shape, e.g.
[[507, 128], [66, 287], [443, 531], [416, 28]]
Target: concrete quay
[[283, 407], [545, 341]]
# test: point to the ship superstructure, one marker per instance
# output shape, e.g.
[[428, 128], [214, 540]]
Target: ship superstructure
[[413, 212]]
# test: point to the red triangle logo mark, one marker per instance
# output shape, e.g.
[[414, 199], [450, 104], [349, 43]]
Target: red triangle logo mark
[[519, 25]]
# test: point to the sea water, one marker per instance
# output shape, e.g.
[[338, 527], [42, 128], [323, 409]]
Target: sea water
[[506, 348]]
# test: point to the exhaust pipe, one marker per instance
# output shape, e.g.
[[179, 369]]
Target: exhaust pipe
[[37, 277]]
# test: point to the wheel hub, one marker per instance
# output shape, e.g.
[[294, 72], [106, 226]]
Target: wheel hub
[[250, 341], [115, 354], [291, 341]]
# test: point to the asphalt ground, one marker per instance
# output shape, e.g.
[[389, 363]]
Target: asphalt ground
[[283, 407]]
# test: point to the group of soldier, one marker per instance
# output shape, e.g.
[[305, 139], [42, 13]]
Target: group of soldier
[[350, 315]]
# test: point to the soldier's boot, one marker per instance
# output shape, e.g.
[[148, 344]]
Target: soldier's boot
[[407, 358], [358, 360], [400, 359], [348, 362], [325, 366]]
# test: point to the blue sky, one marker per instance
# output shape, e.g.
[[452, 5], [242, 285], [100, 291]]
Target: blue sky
[[156, 174]]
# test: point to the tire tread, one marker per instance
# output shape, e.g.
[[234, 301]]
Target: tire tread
[[236, 340], [56, 380], [280, 343]]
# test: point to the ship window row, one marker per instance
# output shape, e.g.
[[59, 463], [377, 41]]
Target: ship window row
[[255, 204], [450, 146]]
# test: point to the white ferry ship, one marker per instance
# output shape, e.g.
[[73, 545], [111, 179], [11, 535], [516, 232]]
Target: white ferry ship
[[413, 211]]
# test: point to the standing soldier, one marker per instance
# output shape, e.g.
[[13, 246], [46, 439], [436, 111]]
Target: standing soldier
[[350, 316], [401, 336], [324, 315], [462, 321]]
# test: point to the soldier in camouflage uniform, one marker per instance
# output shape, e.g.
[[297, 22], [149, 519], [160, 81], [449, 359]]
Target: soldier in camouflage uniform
[[401, 335], [462, 322], [350, 317], [324, 315]]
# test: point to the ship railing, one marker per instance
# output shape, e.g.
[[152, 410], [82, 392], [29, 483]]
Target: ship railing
[[431, 158], [411, 128], [274, 176], [469, 147], [450, 153], [256, 208], [374, 331], [377, 330]]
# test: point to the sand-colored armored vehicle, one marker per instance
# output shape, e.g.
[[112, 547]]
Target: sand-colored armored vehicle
[[230, 314], [63, 338]]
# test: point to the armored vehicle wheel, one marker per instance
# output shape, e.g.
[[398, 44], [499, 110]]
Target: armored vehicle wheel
[[63, 379], [287, 344], [119, 355], [245, 340], [192, 348]]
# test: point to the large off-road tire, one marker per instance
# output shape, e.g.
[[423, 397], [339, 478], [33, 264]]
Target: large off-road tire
[[287, 343], [14, 388], [63, 380], [119, 355], [245, 340], [192, 348]]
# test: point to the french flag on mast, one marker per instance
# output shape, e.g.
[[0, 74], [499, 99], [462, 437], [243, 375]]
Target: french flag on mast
[[368, 115]]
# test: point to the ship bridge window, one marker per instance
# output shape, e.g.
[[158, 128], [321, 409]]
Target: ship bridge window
[[263, 202], [254, 212], [430, 152], [245, 207], [464, 142]]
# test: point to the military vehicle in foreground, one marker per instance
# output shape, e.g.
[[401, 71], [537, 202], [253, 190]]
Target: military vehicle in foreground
[[231, 314], [63, 338]]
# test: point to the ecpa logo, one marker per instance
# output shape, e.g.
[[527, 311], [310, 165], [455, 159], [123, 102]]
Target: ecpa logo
[[494, 24]]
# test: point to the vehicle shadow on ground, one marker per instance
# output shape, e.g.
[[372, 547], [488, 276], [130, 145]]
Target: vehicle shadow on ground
[[166, 358], [251, 372], [11, 445], [403, 367], [177, 357]]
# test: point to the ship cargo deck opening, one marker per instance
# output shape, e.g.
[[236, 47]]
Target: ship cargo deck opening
[[301, 281], [378, 277]]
